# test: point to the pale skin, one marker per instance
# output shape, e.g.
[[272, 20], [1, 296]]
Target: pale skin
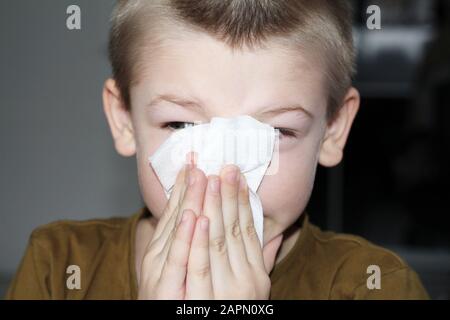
[[215, 249]]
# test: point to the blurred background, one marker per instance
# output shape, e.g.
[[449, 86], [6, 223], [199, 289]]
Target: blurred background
[[58, 161], [393, 186]]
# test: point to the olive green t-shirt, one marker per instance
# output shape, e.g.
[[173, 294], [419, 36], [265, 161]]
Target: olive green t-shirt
[[321, 265]]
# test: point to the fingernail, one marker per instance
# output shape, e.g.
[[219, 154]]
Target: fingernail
[[204, 223], [232, 176], [214, 185]]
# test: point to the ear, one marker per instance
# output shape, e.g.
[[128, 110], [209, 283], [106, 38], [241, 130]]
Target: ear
[[333, 144], [119, 119]]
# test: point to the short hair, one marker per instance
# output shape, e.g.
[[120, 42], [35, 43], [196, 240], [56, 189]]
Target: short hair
[[325, 25]]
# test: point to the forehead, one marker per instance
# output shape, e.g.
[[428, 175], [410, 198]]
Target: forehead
[[198, 66]]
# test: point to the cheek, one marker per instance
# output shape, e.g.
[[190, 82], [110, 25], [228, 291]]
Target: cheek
[[151, 189], [285, 195]]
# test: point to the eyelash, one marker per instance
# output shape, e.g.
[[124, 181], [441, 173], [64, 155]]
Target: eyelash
[[169, 125], [287, 133]]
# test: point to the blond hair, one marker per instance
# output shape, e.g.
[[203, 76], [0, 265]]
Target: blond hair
[[321, 24]]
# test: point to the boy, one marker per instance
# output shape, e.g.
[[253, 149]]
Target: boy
[[287, 63]]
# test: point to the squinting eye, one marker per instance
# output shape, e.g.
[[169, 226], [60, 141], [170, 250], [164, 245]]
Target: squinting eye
[[286, 133], [177, 125]]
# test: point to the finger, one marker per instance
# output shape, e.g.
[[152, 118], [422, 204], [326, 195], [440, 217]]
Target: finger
[[178, 191], [198, 279], [212, 209], [173, 275], [191, 164], [195, 192], [250, 237], [167, 224], [230, 175], [176, 205], [193, 200], [176, 196]]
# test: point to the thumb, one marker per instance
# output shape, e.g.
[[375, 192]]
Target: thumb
[[270, 251]]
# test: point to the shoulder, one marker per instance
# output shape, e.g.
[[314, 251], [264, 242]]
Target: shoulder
[[350, 249], [82, 233], [355, 263], [92, 246], [87, 244], [82, 242]]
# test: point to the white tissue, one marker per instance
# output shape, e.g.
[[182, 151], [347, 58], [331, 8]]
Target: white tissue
[[242, 141]]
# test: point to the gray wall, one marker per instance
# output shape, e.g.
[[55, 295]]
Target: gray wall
[[57, 158]]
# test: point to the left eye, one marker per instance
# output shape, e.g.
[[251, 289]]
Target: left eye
[[286, 132], [177, 125]]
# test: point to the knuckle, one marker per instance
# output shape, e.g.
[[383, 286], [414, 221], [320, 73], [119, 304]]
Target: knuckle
[[218, 244], [250, 231], [202, 272], [234, 229]]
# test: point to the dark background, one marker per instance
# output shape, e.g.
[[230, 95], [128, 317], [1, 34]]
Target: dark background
[[393, 185], [57, 158]]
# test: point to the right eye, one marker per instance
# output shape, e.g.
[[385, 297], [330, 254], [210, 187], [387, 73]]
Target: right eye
[[177, 125]]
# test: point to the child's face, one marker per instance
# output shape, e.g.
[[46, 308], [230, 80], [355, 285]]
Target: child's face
[[208, 79]]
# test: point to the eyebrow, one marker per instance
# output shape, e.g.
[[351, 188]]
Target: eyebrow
[[174, 99], [191, 104], [288, 108]]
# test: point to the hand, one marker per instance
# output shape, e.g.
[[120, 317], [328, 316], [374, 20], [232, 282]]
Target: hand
[[164, 266], [226, 260]]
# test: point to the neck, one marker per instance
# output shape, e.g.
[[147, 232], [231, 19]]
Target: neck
[[289, 239]]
